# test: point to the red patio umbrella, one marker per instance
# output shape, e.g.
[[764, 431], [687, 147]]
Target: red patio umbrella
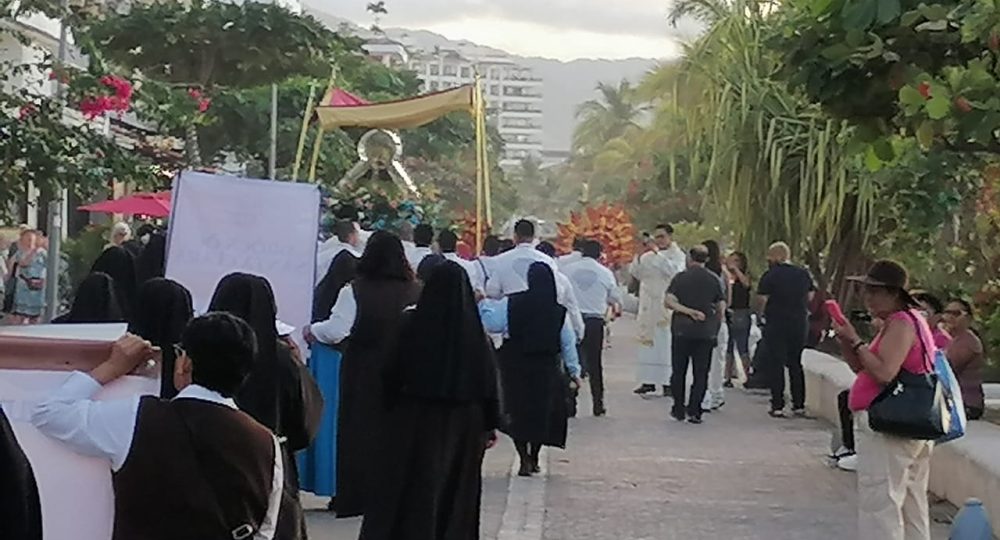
[[146, 204]]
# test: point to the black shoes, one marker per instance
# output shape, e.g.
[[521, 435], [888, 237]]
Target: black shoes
[[680, 416], [694, 420], [526, 469], [600, 411], [644, 389]]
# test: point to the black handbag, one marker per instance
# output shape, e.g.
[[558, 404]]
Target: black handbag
[[10, 287], [913, 405]]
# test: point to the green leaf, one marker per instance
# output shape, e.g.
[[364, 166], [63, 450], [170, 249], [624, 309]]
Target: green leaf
[[933, 12], [884, 150], [933, 26], [860, 14], [925, 135], [888, 10], [910, 18], [938, 107]]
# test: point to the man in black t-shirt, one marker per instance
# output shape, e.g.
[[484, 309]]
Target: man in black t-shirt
[[786, 290], [699, 303]]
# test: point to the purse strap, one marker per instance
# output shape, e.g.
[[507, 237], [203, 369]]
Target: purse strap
[[928, 361], [241, 531]]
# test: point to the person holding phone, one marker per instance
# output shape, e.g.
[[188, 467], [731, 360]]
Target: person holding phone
[[655, 268]]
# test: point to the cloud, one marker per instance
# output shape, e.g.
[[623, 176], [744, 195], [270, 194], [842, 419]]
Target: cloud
[[562, 29], [530, 39]]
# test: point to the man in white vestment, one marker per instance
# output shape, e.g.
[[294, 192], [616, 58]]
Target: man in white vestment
[[654, 269]]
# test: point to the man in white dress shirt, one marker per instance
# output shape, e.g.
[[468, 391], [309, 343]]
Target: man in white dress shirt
[[573, 256], [191, 467], [655, 268], [596, 290], [510, 273], [345, 237], [423, 237], [448, 244]]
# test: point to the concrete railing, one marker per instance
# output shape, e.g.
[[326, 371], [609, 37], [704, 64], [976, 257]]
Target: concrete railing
[[968, 467]]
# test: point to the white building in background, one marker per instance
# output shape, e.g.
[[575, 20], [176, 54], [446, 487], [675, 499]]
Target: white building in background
[[513, 92]]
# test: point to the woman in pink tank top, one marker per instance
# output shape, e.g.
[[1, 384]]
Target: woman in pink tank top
[[892, 471]]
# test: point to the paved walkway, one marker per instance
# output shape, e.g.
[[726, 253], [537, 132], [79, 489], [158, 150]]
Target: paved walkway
[[638, 475]]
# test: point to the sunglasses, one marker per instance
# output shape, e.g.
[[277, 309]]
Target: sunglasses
[[178, 351]]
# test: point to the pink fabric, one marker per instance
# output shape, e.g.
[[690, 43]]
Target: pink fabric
[[941, 339], [866, 388]]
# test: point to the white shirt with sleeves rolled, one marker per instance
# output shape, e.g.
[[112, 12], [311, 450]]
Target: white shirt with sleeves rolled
[[337, 327], [105, 429]]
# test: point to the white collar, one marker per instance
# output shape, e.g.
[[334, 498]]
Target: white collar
[[453, 257], [422, 249], [334, 244], [196, 391]]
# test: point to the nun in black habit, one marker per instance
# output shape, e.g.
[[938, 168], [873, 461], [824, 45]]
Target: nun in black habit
[[162, 312], [366, 317], [20, 508], [120, 265], [534, 380], [280, 393], [95, 301], [442, 405], [150, 263]]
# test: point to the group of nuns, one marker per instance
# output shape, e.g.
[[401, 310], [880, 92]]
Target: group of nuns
[[419, 384], [420, 395]]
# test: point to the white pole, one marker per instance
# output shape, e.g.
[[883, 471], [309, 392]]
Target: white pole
[[55, 225], [272, 158]]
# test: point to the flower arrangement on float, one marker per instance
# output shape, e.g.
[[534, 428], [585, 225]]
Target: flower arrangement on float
[[607, 223]]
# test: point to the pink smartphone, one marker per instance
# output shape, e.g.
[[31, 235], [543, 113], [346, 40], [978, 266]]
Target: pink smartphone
[[837, 314]]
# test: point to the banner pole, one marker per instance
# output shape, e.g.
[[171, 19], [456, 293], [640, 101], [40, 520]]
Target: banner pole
[[477, 102], [486, 162], [304, 132], [317, 145]]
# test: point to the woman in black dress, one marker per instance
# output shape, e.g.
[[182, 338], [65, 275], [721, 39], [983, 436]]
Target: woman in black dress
[[534, 381], [163, 310], [120, 265], [442, 406], [368, 312], [280, 393], [741, 321], [95, 301]]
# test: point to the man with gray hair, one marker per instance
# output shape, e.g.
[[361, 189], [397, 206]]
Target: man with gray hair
[[785, 290]]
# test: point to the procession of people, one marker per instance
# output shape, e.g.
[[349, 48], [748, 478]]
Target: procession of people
[[417, 359]]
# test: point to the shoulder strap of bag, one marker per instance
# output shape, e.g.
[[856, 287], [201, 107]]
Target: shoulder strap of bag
[[242, 531], [928, 361]]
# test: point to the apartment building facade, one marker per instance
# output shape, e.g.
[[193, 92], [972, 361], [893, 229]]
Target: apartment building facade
[[513, 92]]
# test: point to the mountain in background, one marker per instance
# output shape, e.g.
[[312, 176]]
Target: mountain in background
[[567, 84]]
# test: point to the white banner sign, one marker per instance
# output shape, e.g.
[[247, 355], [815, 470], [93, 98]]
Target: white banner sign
[[224, 224]]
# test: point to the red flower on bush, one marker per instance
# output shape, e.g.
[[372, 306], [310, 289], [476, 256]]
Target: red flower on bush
[[118, 100], [924, 89], [203, 103]]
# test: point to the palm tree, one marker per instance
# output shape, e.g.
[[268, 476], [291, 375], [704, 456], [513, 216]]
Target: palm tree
[[772, 164], [615, 114]]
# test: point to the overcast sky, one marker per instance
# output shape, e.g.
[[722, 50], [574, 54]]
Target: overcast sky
[[562, 29]]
